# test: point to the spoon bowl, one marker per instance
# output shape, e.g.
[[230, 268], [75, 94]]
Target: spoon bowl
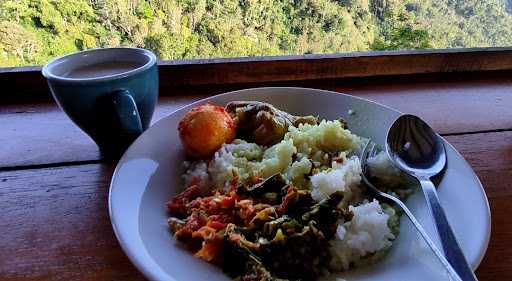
[[415, 147]]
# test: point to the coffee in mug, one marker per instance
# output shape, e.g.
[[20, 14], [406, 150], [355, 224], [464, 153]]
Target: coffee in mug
[[109, 93]]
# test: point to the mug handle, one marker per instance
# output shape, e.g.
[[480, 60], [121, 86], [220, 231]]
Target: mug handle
[[127, 112]]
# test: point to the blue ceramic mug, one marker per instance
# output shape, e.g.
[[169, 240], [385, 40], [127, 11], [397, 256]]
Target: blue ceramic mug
[[109, 93]]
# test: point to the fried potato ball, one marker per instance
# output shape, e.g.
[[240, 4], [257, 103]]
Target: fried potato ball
[[204, 129]]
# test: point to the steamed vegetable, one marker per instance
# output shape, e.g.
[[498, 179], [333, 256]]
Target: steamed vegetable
[[254, 238]]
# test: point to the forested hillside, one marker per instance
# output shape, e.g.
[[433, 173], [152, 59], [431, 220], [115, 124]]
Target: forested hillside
[[34, 31]]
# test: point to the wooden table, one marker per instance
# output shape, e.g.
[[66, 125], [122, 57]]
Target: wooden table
[[54, 185]]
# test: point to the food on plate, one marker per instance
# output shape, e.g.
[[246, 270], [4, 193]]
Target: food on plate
[[204, 129], [262, 123], [283, 200]]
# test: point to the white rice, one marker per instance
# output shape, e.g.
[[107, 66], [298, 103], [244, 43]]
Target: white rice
[[239, 158], [199, 171], [342, 177], [380, 166], [368, 232]]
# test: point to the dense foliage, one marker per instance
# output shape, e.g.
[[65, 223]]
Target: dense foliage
[[33, 31]]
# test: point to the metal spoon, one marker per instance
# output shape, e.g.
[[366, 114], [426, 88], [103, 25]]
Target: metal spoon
[[417, 150], [370, 151]]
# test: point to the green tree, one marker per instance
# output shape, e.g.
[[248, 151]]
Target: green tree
[[18, 42], [399, 29], [34, 31]]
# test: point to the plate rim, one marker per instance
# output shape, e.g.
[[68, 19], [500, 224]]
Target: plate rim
[[152, 276]]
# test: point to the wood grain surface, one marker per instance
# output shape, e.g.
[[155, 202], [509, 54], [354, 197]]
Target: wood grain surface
[[58, 226], [55, 222], [40, 133]]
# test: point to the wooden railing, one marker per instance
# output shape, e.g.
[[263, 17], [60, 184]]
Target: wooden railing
[[228, 72]]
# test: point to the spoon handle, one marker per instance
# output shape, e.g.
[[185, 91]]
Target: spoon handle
[[454, 276], [449, 242]]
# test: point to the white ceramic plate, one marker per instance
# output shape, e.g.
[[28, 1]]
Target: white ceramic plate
[[148, 175]]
